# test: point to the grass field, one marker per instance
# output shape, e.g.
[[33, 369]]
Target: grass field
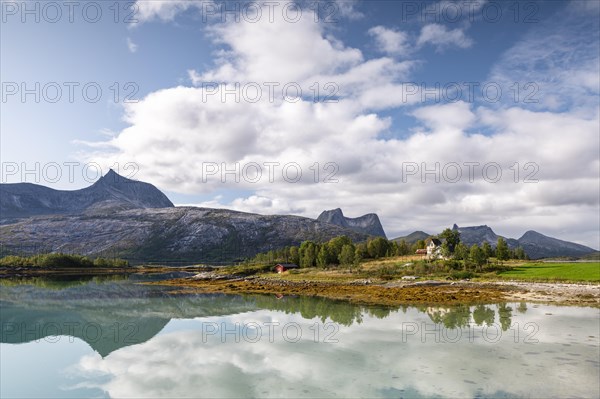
[[567, 271]]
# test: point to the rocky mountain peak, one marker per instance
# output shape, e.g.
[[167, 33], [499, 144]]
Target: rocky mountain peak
[[113, 179], [531, 234], [114, 188], [366, 224], [110, 191], [476, 234]]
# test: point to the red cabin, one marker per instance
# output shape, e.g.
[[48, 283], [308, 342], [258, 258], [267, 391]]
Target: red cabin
[[282, 267]]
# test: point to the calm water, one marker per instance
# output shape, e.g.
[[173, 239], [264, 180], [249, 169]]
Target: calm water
[[114, 338]]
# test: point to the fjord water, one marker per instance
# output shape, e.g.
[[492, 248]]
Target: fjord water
[[112, 337]]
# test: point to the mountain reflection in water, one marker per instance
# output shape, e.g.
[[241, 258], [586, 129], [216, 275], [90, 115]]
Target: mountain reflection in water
[[149, 342]]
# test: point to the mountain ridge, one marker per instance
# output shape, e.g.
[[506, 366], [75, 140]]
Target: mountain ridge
[[368, 224], [535, 244], [117, 216], [413, 237], [22, 200]]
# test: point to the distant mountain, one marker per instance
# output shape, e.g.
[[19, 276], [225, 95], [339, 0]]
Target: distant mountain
[[111, 191], [367, 224], [166, 234], [536, 245], [413, 237], [121, 217], [480, 234]]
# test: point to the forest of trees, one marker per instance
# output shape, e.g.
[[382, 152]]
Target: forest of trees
[[60, 260], [342, 251], [337, 251]]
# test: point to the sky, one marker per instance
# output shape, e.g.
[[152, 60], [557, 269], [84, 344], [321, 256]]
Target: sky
[[426, 113]]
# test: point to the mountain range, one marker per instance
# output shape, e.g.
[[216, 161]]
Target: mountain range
[[536, 245], [117, 216]]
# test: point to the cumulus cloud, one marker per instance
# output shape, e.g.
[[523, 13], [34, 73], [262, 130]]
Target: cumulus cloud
[[556, 65], [390, 41], [209, 137], [165, 10], [441, 37], [345, 9], [277, 52]]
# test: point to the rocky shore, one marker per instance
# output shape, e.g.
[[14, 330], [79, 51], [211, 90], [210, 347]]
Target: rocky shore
[[367, 292]]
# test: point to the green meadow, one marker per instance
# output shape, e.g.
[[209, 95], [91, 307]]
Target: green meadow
[[555, 271]]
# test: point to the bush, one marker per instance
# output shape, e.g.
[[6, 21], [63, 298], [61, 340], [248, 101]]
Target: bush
[[461, 275], [453, 265], [387, 272], [14, 261], [62, 260], [101, 262]]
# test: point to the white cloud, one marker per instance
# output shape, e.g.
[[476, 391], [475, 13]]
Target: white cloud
[[441, 37], [165, 10], [177, 131], [456, 116], [345, 9], [131, 46], [390, 41], [556, 65], [278, 52]]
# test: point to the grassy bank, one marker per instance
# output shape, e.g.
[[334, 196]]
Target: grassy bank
[[554, 271], [400, 268]]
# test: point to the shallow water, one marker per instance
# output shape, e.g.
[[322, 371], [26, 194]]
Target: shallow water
[[111, 337]]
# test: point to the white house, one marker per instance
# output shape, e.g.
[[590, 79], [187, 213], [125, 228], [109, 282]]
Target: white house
[[434, 249]]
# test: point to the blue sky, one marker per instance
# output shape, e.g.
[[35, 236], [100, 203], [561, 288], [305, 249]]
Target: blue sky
[[372, 54]]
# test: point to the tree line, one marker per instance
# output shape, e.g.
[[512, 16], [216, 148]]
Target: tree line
[[60, 260], [475, 256], [337, 251], [342, 251]]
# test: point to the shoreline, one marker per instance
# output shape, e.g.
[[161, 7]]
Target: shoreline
[[394, 293], [358, 291], [32, 271]]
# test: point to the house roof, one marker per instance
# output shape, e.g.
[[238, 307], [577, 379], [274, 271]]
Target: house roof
[[288, 265], [436, 241]]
